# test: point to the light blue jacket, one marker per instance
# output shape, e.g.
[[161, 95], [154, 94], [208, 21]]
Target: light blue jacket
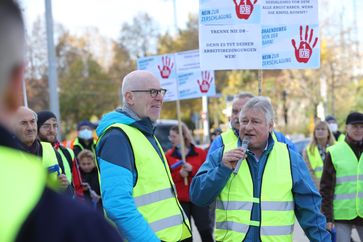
[[118, 176], [213, 175]]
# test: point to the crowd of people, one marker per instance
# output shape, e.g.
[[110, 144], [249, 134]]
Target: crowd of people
[[249, 185]]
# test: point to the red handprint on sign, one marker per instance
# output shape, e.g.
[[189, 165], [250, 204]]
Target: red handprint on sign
[[305, 51], [206, 81], [168, 65], [244, 9]]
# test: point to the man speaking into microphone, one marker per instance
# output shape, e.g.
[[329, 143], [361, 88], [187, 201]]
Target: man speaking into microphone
[[259, 189]]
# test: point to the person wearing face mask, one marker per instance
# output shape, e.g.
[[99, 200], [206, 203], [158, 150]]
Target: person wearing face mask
[[333, 125], [85, 138], [315, 152]]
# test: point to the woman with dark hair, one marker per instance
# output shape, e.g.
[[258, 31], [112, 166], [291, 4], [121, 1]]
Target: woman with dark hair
[[185, 171], [315, 151]]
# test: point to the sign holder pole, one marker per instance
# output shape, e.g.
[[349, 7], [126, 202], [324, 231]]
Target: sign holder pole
[[260, 79], [25, 98], [178, 114]]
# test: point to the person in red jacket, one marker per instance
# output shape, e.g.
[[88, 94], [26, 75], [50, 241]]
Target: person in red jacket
[[184, 171]]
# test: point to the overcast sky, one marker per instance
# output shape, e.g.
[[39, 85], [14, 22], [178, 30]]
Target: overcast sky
[[108, 15]]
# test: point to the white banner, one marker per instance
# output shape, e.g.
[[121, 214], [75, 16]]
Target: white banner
[[259, 34]]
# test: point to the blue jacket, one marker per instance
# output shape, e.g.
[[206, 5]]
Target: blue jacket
[[217, 142], [213, 175], [118, 175]]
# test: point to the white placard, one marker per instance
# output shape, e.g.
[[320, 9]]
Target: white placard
[[259, 34]]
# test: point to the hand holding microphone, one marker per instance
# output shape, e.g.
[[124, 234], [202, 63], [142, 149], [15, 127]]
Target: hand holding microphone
[[244, 146], [230, 158]]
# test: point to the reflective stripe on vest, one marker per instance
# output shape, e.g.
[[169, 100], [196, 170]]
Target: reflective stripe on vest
[[235, 202], [67, 168], [348, 193], [22, 179], [154, 193], [315, 161]]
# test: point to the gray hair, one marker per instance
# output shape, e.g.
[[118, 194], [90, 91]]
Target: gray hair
[[12, 44], [29, 110], [242, 95], [261, 103]]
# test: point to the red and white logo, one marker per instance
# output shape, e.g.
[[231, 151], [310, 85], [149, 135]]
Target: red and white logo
[[244, 8], [168, 65], [305, 50], [207, 79]]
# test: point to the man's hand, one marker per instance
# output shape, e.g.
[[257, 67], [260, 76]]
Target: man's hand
[[187, 167], [63, 182], [183, 173], [230, 158], [329, 226]]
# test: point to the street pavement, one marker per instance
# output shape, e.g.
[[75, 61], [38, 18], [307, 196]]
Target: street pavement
[[299, 235]]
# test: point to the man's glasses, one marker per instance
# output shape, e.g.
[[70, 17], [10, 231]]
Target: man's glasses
[[153, 92]]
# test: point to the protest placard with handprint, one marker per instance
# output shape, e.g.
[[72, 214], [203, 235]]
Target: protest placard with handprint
[[259, 34], [180, 74]]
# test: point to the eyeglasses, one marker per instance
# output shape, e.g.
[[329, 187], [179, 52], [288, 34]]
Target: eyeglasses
[[48, 126], [153, 92]]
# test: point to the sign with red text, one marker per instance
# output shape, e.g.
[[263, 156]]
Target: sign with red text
[[181, 67], [259, 34]]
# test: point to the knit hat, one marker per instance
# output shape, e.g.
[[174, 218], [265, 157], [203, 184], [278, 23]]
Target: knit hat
[[330, 118], [354, 118], [85, 123], [43, 116]]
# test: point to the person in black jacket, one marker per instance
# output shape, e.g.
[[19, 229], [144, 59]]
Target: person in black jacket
[[29, 211]]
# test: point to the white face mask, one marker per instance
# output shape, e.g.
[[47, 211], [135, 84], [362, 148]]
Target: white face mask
[[333, 127], [85, 134]]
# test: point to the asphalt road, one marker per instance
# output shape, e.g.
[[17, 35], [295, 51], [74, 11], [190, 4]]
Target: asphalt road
[[299, 235]]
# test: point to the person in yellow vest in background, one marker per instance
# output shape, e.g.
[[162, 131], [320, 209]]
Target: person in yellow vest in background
[[333, 125], [25, 128], [315, 152], [137, 189], [47, 132], [341, 184], [259, 200], [85, 139], [30, 211]]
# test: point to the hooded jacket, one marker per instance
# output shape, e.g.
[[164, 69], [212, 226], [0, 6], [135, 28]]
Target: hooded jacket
[[118, 175]]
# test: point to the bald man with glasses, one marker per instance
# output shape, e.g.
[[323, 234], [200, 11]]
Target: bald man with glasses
[[136, 186]]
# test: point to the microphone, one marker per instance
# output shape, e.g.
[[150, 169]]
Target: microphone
[[244, 146]]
